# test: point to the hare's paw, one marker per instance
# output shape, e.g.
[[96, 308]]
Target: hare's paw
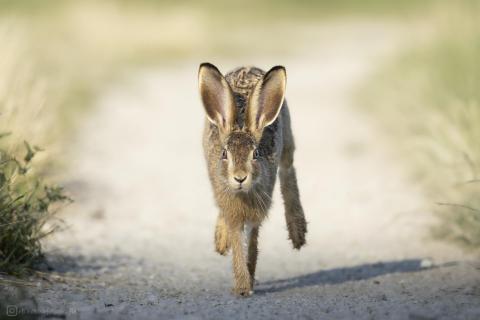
[[242, 291], [222, 243], [222, 247], [297, 228]]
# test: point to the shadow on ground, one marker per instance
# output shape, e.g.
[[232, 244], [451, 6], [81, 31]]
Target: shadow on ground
[[340, 275], [84, 265]]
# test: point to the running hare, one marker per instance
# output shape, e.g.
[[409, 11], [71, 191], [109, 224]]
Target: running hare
[[247, 136]]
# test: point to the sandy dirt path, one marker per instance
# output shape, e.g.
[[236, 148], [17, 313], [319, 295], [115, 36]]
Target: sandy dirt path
[[140, 242]]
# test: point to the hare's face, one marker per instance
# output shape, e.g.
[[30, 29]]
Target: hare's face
[[239, 157], [240, 161]]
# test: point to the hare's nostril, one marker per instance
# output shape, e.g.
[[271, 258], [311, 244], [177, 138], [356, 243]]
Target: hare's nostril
[[240, 180]]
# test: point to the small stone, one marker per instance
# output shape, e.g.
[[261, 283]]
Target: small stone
[[426, 263]]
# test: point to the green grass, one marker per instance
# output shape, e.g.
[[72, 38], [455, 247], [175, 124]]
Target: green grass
[[429, 101], [27, 208]]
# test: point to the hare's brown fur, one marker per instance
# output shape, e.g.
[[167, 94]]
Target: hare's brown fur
[[241, 213]]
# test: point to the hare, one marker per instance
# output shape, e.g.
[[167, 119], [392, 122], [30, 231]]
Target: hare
[[247, 137]]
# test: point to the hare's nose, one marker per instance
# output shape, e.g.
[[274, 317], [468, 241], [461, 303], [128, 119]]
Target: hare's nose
[[240, 180]]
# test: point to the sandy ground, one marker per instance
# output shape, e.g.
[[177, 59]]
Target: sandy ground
[[140, 241]]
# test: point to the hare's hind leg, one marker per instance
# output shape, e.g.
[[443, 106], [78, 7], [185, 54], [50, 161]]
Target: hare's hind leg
[[222, 241], [296, 224]]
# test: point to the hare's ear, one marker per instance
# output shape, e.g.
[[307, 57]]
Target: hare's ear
[[266, 100], [217, 97]]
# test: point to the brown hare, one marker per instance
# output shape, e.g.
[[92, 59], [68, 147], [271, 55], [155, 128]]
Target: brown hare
[[247, 137]]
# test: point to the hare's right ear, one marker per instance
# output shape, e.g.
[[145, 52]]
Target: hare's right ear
[[217, 97]]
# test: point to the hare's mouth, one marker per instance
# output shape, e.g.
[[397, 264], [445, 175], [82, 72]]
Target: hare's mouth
[[240, 188]]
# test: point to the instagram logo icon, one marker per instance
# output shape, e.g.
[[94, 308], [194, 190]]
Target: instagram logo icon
[[12, 311]]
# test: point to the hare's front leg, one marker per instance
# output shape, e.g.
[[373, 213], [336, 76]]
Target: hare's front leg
[[242, 278], [296, 224], [222, 241], [252, 238]]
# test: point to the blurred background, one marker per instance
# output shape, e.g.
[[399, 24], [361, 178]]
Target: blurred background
[[100, 97]]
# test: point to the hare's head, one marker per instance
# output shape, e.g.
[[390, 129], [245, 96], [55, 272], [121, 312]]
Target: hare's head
[[241, 160]]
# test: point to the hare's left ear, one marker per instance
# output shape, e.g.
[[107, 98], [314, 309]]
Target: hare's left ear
[[266, 100]]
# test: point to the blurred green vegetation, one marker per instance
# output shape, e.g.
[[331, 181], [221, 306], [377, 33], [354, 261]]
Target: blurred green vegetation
[[429, 101], [250, 7]]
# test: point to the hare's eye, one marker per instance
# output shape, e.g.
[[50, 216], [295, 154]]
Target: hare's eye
[[256, 154], [224, 154]]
